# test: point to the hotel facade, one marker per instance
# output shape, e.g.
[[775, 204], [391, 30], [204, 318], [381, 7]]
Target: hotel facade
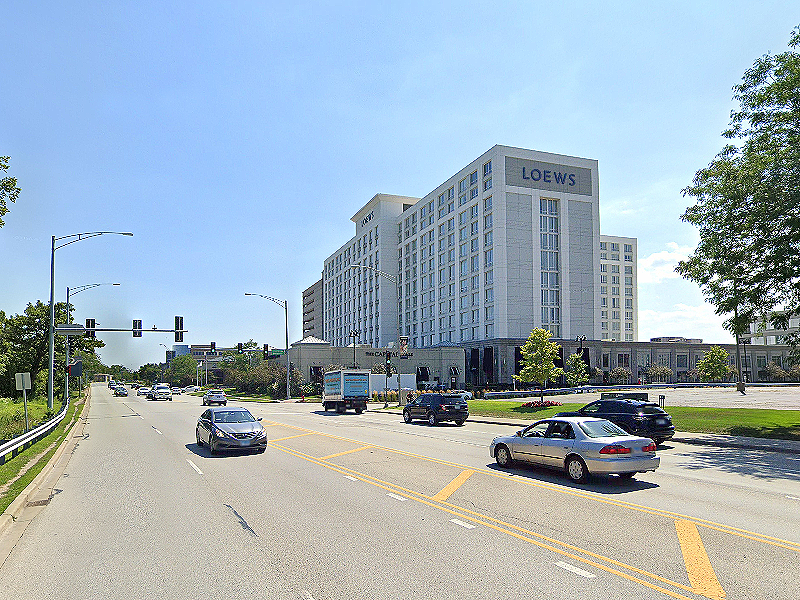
[[509, 243]]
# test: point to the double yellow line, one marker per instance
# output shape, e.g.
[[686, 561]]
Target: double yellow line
[[700, 573]]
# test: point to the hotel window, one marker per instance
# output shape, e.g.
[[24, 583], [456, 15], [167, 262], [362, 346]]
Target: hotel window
[[628, 291], [603, 278], [488, 295], [488, 278], [473, 193], [487, 204], [628, 270], [629, 315], [489, 331], [603, 289], [628, 302], [604, 301], [629, 281], [474, 246], [462, 186], [604, 326], [488, 258], [489, 313], [473, 178], [487, 184], [487, 169], [603, 268], [628, 247], [603, 245], [614, 247], [487, 238], [474, 263]]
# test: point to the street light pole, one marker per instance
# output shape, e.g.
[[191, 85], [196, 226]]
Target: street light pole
[[285, 305], [77, 290], [354, 335], [394, 280], [73, 237]]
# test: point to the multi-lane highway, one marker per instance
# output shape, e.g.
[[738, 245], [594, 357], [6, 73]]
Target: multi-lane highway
[[365, 506]]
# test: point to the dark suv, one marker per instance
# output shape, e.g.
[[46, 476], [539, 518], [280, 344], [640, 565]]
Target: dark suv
[[634, 416], [436, 408]]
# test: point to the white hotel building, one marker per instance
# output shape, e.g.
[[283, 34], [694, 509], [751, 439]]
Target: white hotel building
[[509, 243]]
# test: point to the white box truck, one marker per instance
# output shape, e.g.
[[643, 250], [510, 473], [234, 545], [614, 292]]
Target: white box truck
[[344, 389]]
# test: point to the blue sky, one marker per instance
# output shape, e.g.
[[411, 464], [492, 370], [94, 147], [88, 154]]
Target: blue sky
[[235, 139]]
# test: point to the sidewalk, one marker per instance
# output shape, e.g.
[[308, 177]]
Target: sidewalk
[[700, 439]]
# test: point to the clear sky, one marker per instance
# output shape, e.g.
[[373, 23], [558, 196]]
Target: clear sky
[[236, 139]]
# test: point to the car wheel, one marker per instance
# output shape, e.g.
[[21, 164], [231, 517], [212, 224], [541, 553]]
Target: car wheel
[[406, 416], [460, 422], [576, 469], [432, 420], [197, 435], [626, 476], [658, 441], [225, 403], [503, 456], [359, 411]]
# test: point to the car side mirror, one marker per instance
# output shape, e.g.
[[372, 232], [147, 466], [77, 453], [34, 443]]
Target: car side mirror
[[519, 433], [259, 418]]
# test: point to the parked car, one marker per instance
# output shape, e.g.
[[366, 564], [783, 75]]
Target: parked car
[[579, 445], [215, 397], [230, 429], [436, 408], [637, 417], [143, 391]]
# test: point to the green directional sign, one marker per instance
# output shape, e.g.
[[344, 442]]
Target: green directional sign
[[276, 352]]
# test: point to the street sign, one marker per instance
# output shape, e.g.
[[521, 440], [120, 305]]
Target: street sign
[[277, 351], [23, 381], [70, 329]]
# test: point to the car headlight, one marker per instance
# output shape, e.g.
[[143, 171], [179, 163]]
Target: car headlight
[[261, 433], [220, 433]]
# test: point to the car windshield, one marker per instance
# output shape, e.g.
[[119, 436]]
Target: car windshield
[[602, 428], [233, 416]]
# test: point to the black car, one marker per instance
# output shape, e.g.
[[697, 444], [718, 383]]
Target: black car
[[436, 408], [637, 417]]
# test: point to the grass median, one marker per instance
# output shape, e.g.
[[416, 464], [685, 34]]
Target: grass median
[[749, 422]]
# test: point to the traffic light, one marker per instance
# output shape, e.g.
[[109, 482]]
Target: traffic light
[[90, 333], [266, 351], [137, 328], [213, 346], [240, 347], [178, 329], [388, 362]]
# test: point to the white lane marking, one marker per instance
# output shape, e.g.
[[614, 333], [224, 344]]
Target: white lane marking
[[157, 431], [194, 466], [141, 417], [463, 524], [350, 478], [304, 595], [793, 498], [576, 570], [396, 497]]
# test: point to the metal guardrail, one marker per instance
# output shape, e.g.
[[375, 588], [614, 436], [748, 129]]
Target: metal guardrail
[[34, 435]]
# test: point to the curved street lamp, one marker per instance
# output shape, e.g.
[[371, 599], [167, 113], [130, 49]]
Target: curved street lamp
[[73, 291], [72, 238], [285, 305]]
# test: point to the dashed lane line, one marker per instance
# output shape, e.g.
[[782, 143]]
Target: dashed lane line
[[576, 570], [194, 466], [396, 497], [463, 523]]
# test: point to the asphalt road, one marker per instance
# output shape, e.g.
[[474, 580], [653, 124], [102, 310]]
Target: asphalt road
[[364, 506]]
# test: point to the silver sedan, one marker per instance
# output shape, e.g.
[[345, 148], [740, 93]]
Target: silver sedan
[[580, 446]]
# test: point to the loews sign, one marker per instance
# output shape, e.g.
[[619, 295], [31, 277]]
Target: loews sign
[[548, 176]]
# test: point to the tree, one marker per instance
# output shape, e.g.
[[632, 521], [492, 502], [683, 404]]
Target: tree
[[620, 375], [149, 372], [182, 370], [659, 373], [715, 364], [747, 208], [25, 345], [775, 372], [538, 359], [576, 372], [9, 192]]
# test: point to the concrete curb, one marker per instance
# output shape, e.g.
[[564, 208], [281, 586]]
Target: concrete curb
[[15, 509], [698, 439]]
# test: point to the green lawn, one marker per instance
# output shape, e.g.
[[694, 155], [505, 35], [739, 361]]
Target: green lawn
[[750, 422], [12, 416]]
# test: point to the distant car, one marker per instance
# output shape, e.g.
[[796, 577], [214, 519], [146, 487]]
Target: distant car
[[162, 392], [143, 391], [176, 390], [230, 429], [634, 416], [579, 445], [112, 383], [436, 408], [215, 397], [120, 391]]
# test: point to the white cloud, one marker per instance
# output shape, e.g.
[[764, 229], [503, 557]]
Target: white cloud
[[684, 320], [661, 265]]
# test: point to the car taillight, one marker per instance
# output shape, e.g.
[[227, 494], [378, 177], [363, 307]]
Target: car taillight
[[650, 447], [614, 449]]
